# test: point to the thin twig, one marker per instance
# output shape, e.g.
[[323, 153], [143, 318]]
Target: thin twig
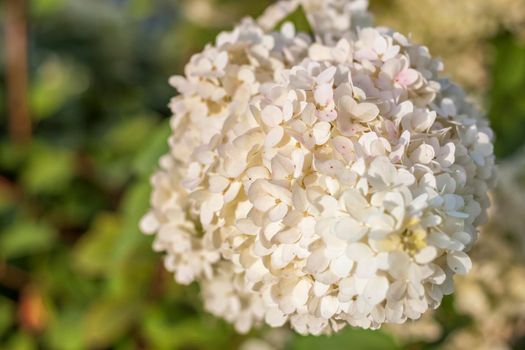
[[16, 74]]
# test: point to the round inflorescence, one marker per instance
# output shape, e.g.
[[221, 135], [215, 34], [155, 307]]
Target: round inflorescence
[[320, 180]]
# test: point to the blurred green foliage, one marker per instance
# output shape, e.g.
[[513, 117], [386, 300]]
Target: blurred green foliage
[[75, 272]]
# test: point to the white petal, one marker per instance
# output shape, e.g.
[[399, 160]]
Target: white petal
[[275, 318], [397, 291], [300, 292], [263, 202], [221, 60], [272, 115], [274, 136], [317, 262], [341, 266], [358, 251], [459, 262], [328, 306], [380, 225], [149, 223], [423, 154], [320, 289], [367, 268], [288, 236], [376, 289], [343, 145], [426, 255], [331, 167], [298, 162], [326, 75], [278, 212], [282, 256], [323, 94], [218, 183], [365, 112], [321, 132], [319, 52], [399, 263], [232, 192], [349, 229]]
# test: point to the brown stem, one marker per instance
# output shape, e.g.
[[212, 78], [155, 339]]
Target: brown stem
[[17, 75]]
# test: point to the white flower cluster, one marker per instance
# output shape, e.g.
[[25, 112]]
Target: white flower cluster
[[320, 181]]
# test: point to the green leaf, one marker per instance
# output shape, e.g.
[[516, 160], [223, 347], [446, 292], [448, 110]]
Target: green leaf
[[92, 253], [48, 171], [65, 331], [7, 310], [46, 6], [507, 106], [349, 338], [298, 18], [55, 83], [12, 156], [161, 331], [129, 134], [148, 158], [134, 206], [25, 238], [20, 341], [107, 320]]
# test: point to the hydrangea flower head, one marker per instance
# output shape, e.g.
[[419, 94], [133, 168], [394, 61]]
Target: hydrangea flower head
[[319, 180]]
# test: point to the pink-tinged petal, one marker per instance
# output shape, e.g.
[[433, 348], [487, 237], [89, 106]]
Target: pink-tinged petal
[[407, 77], [331, 167], [392, 67], [324, 94], [327, 115], [343, 145]]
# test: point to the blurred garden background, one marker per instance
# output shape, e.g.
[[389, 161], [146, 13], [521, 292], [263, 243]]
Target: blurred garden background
[[76, 273]]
